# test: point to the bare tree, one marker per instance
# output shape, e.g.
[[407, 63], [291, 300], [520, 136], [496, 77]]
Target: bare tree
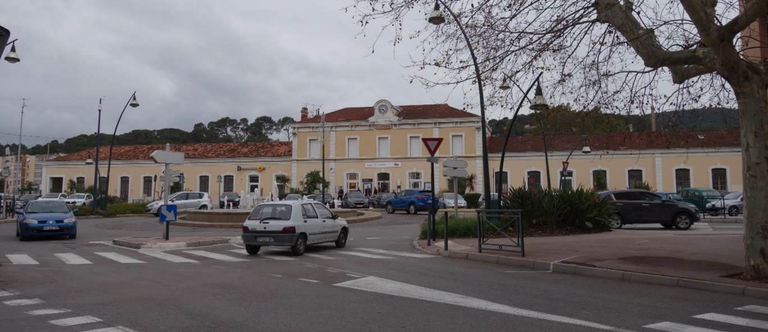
[[620, 56]]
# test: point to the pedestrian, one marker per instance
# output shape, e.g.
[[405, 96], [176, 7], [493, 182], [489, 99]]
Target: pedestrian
[[341, 193], [375, 191]]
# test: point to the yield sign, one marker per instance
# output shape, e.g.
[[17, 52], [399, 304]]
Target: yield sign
[[432, 144]]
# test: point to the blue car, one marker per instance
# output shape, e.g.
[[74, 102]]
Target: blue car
[[411, 201], [44, 219]]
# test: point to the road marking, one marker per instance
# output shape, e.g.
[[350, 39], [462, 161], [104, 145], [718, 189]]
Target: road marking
[[364, 255], [46, 312], [240, 251], [14, 303], [280, 258], [72, 259], [373, 238], [112, 329], [398, 253], [319, 256], [332, 270], [395, 288], [21, 259], [168, 257], [74, 321], [214, 255], [119, 258], [7, 293], [758, 324], [308, 280], [674, 327], [354, 275], [754, 308], [275, 275]]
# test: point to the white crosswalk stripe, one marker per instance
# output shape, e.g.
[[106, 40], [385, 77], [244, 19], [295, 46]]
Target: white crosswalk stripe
[[240, 251], [167, 257], [72, 321], [754, 323], [7, 293], [361, 254], [398, 253], [674, 327], [19, 302], [280, 258], [46, 312], [214, 255], [119, 258], [754, 308], [112, 329], [319, 256], [72, 259], [20, 259]]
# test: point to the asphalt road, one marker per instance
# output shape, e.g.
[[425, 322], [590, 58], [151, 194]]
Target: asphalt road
[[377, 283]]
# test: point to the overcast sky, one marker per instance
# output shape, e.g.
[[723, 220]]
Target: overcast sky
[[191, 61]]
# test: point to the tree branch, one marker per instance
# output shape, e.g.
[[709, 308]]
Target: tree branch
[[752, 11]]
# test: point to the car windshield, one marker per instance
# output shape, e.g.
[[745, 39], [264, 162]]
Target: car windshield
[[733, 195], [51, 196], [387, 196], [77, 196], [425, 193], [448, 196], [47, 207], [356, 194], [711, 193], [28, 197], [293, 197], [229, 195], [271, 211]]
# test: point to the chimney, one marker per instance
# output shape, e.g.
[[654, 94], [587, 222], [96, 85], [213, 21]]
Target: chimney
[[304, 113]]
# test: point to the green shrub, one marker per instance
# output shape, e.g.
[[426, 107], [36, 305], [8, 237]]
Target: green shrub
[[472, 200], [126, 208], [642, 185], [576, 209], [457, 228], [82, 210]]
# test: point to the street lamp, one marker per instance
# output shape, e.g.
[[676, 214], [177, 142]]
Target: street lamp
[[96, 177], [133, 103], [584, 149], [437, 17], [12, 56], [538, 104]]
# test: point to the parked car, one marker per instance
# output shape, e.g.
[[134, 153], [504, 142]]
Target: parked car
[[229, 197], [379, 200], [700, 197], [411, 201], [80, 199], [53, 197], [354, 200], [481, 200], [184, 201], [635, 206], [294, 224], [46, 218], [292, 197], [22, 201], [732, 203], [328, 199], [448, 201], [671, 196]]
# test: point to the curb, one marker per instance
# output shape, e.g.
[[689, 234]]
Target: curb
[[596, 272], [175, 245]]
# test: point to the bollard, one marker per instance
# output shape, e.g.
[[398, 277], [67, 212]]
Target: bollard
[[445, 231]]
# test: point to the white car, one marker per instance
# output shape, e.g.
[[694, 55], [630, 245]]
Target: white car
[[53, 197], [184, 201], [294, 224], [80, 199], [448, 201]]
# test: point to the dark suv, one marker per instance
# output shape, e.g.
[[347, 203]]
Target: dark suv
[[645, 207]]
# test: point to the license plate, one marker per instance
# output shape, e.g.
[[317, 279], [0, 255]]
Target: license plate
[[264, 239], [51, 228]]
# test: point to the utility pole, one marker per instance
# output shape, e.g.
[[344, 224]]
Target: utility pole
[[322, 127], [96, 164], [21, 126]]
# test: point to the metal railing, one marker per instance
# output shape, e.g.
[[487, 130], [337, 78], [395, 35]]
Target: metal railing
[[501, 230]]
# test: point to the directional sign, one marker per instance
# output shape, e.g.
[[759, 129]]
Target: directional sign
[[432, 144], [167, 157], [174, 179], [173, 172], [455, 173], [168, 213], [433, 160], [454, 163]]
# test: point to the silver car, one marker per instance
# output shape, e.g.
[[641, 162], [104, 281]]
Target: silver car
[[185, 200], [734, 204]]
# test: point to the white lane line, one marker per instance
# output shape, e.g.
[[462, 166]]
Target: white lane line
[[240, 251], [119, 258], [214, 255], [758, 324], [46, 312], [14, 303], [373, 238], [395, 288], [21, 259], [280, 258], [167, 257], [354, 275], [74, 321], [7, 293], [398, 253], [275, 275], [112, 329], [308, 280], [364, 255], [754, 308], [332, 270], [72, 259], [319, 256], [674, 327]]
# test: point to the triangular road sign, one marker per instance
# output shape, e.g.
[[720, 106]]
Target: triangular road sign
[[432, 144]]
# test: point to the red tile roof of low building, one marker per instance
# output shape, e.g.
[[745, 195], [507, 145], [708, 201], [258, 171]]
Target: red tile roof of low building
[[622, 141], [408, 112], [191, 151]]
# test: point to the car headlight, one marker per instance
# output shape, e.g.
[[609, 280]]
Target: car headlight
[[30, 221], [72, 219]]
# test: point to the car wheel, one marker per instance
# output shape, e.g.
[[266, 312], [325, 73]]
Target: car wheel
[[682, 221], [73, 236], [668, 226], [733, 211], [412, 209], [341, 242], [252, 250], [390, 209], [301, 243], [616, 222], [204, 207]]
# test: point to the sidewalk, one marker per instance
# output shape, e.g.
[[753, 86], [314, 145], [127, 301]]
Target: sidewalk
[[710, 256]]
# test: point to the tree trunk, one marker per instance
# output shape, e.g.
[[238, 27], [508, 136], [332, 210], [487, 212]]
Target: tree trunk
[[751, 96]]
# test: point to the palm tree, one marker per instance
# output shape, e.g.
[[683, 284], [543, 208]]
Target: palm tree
[[471, 182]]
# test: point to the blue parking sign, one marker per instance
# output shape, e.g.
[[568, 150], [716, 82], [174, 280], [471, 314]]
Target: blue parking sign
[[168, 213]]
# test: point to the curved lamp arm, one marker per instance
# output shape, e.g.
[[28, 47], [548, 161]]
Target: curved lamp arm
[[111, 145]]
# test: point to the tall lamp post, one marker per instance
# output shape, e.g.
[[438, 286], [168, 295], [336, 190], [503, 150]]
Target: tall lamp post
[[96, 176], [133, 103], [585, 150], [539, 104], [437, 17]]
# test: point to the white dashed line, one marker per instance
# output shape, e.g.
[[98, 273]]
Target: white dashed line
[[373, 238], [398, 253], [275, 275], [308, 280], [75, 321], [758, 324], [319, 256], [7, 293], [364, 255], [112, 329], [754, 308], [46, 312], [280, 258], [354, 275], [20, 259], [14, 303]]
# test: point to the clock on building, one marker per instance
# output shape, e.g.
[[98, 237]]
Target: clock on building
[[383, 109]]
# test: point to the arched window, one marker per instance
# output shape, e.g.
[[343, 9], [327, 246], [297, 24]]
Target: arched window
[[415, 180], [534, 179], [229, 183], [682, 179], [352, 181], [720, 179], [382, 182], [599, 180], [204, 183]]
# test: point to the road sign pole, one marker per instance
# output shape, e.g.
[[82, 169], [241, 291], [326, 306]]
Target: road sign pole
[[167, 189], [433, 211]]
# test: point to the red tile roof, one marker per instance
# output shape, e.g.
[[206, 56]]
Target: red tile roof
[[622, 141], [191, 151], [408, 112]]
